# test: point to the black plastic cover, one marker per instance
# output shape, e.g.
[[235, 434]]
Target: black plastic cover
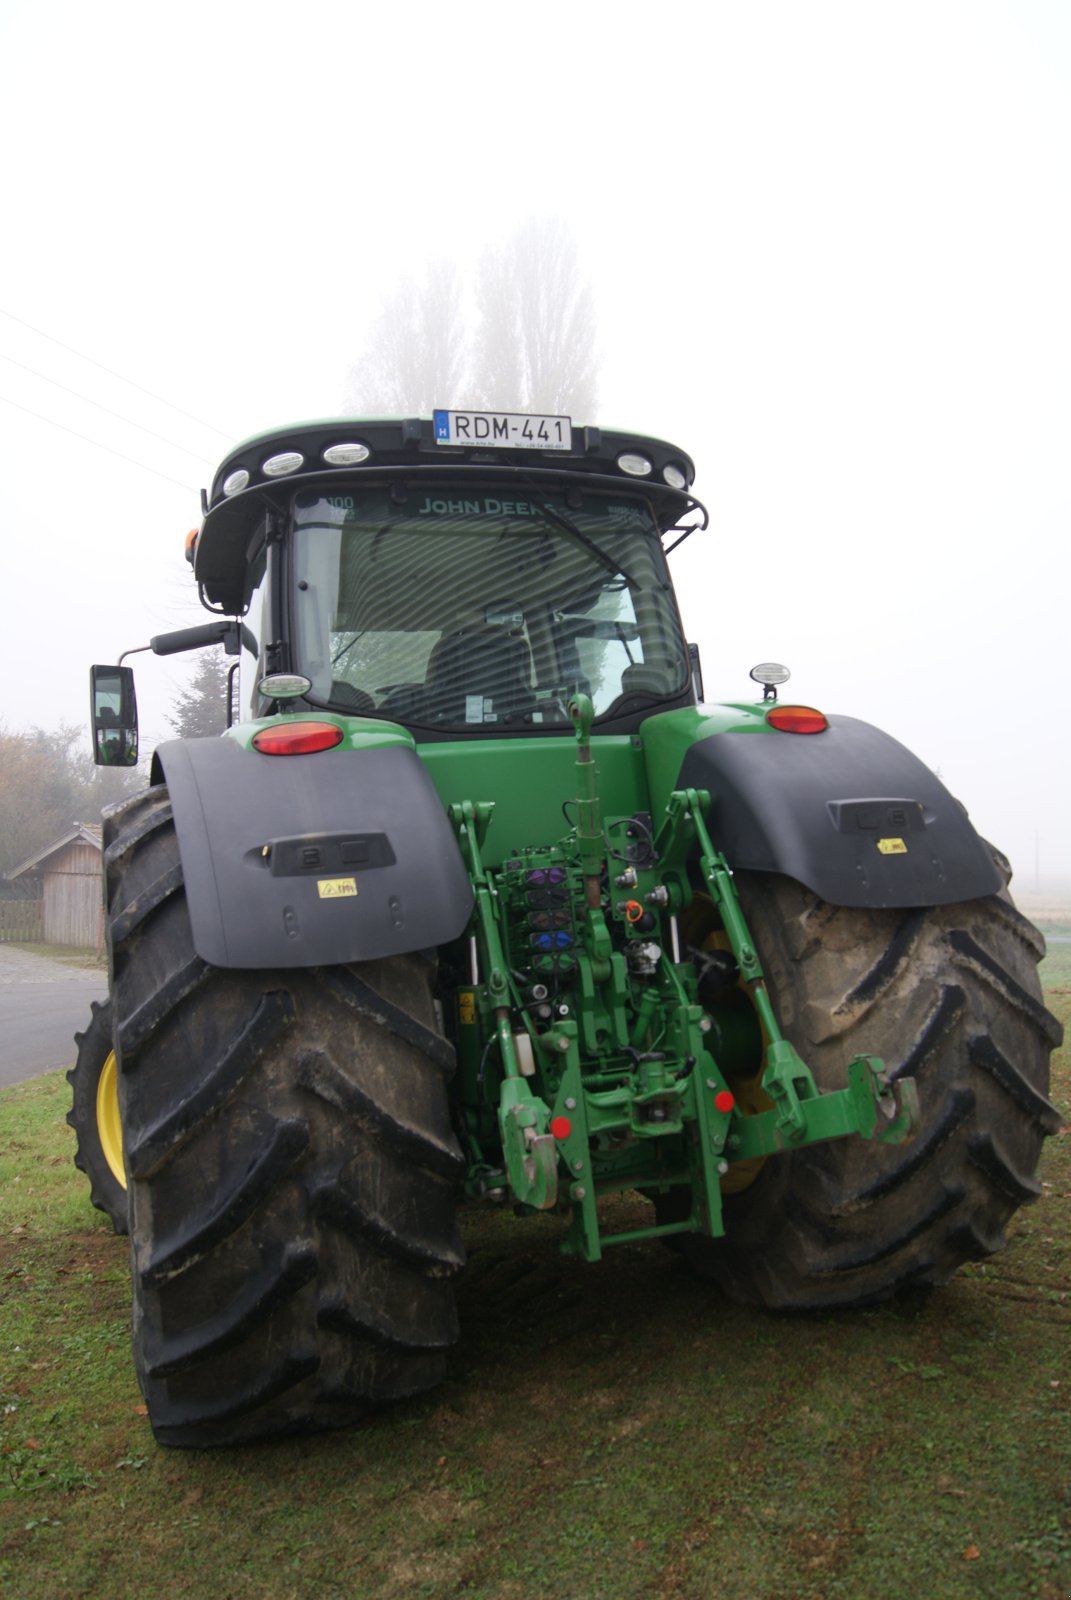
[[312, 860], [407, 450], [849, 812]]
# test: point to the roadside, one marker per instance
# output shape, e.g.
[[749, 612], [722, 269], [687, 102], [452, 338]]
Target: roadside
[[68, 955], [44, 1001], [1050, 911]]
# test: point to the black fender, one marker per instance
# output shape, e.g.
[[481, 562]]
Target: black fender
[[312, 860], [849, 812]]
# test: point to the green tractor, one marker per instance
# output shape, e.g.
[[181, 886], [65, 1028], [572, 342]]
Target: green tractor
[[481, 902]]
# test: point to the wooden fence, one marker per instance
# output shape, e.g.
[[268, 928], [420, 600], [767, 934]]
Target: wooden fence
[[21, 922]]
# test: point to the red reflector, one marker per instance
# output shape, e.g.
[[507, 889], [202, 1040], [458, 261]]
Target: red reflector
[[561, 1127], [296, 738], [797, 719], [724, 1101]]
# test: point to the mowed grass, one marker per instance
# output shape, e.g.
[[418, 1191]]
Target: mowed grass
[[612, 1431], [69, 955]]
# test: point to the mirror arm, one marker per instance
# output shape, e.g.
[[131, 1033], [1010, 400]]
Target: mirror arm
[[208, 633], [230, 634]]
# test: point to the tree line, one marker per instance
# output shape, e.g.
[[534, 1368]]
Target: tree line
[[49, 781], [521, 336]]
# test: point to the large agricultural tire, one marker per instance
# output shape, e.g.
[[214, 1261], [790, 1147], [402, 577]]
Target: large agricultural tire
[[949, 996], [291, 1164], [94, 1116]]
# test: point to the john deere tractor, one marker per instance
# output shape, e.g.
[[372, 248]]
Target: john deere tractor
[[479, 901]]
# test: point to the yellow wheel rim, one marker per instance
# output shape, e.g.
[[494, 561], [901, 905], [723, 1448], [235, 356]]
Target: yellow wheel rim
[[109, 1127]]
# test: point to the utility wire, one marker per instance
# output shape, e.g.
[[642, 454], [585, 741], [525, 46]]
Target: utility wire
[[196, 454], [132, 459], [112, 373]]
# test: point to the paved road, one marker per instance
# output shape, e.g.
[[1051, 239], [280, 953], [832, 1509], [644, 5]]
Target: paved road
[[42, 1005]]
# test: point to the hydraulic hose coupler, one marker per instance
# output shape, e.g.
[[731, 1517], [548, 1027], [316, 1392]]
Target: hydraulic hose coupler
[[636, 915]]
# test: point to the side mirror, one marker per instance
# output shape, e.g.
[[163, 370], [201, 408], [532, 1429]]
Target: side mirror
[[114, 711]]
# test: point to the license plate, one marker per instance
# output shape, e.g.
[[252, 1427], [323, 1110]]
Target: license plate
[[512, 429]]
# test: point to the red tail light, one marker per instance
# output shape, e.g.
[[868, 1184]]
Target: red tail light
[[797, 719], [296, 738]]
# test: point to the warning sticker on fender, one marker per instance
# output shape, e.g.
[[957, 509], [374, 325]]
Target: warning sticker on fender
[[892, 847], [336, 888]]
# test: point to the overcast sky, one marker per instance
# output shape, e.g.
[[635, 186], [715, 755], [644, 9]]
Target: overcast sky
[[830, 246]]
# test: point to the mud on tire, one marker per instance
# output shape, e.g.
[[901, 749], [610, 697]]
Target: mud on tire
[[949, 996], [291, 1166]]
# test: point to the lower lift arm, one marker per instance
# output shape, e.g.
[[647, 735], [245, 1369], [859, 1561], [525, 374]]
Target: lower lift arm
[[871, 1105]]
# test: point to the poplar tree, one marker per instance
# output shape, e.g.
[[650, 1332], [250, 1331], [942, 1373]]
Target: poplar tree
[[528, 344]]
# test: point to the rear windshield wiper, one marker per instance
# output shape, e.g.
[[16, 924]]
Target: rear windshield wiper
[[568, 526]]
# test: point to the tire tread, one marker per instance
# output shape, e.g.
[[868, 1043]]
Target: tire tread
[[947, 996], [279, 1285]]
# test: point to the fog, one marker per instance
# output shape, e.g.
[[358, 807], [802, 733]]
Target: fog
[[830, 250]]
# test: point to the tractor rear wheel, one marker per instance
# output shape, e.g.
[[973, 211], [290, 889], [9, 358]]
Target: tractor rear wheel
[[291, 1164], [94, 1116], [949, 996]]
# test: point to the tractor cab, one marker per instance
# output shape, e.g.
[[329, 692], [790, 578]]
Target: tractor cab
[[465, 588]]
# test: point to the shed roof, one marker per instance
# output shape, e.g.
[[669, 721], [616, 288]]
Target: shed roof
[[87, 832]]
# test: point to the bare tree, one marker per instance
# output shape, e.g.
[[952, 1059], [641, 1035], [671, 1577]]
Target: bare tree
[[532, 347], [414, 358], [48, 782], [535, 347]]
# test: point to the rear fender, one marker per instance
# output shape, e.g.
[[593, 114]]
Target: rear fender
[[311, 860], [849, 812]]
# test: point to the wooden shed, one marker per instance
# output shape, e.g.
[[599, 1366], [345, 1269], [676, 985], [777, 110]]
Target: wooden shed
[[71, 895]]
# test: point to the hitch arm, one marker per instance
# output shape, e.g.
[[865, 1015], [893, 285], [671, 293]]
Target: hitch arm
[[523, 1118], [871, 1105]]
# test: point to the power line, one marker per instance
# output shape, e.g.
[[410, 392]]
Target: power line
[[112, 373], [132, 459], [197, 455]]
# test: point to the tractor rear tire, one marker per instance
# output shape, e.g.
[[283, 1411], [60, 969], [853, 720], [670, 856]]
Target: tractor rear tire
[[949, 996], [94, 1116], [291, 1164]]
